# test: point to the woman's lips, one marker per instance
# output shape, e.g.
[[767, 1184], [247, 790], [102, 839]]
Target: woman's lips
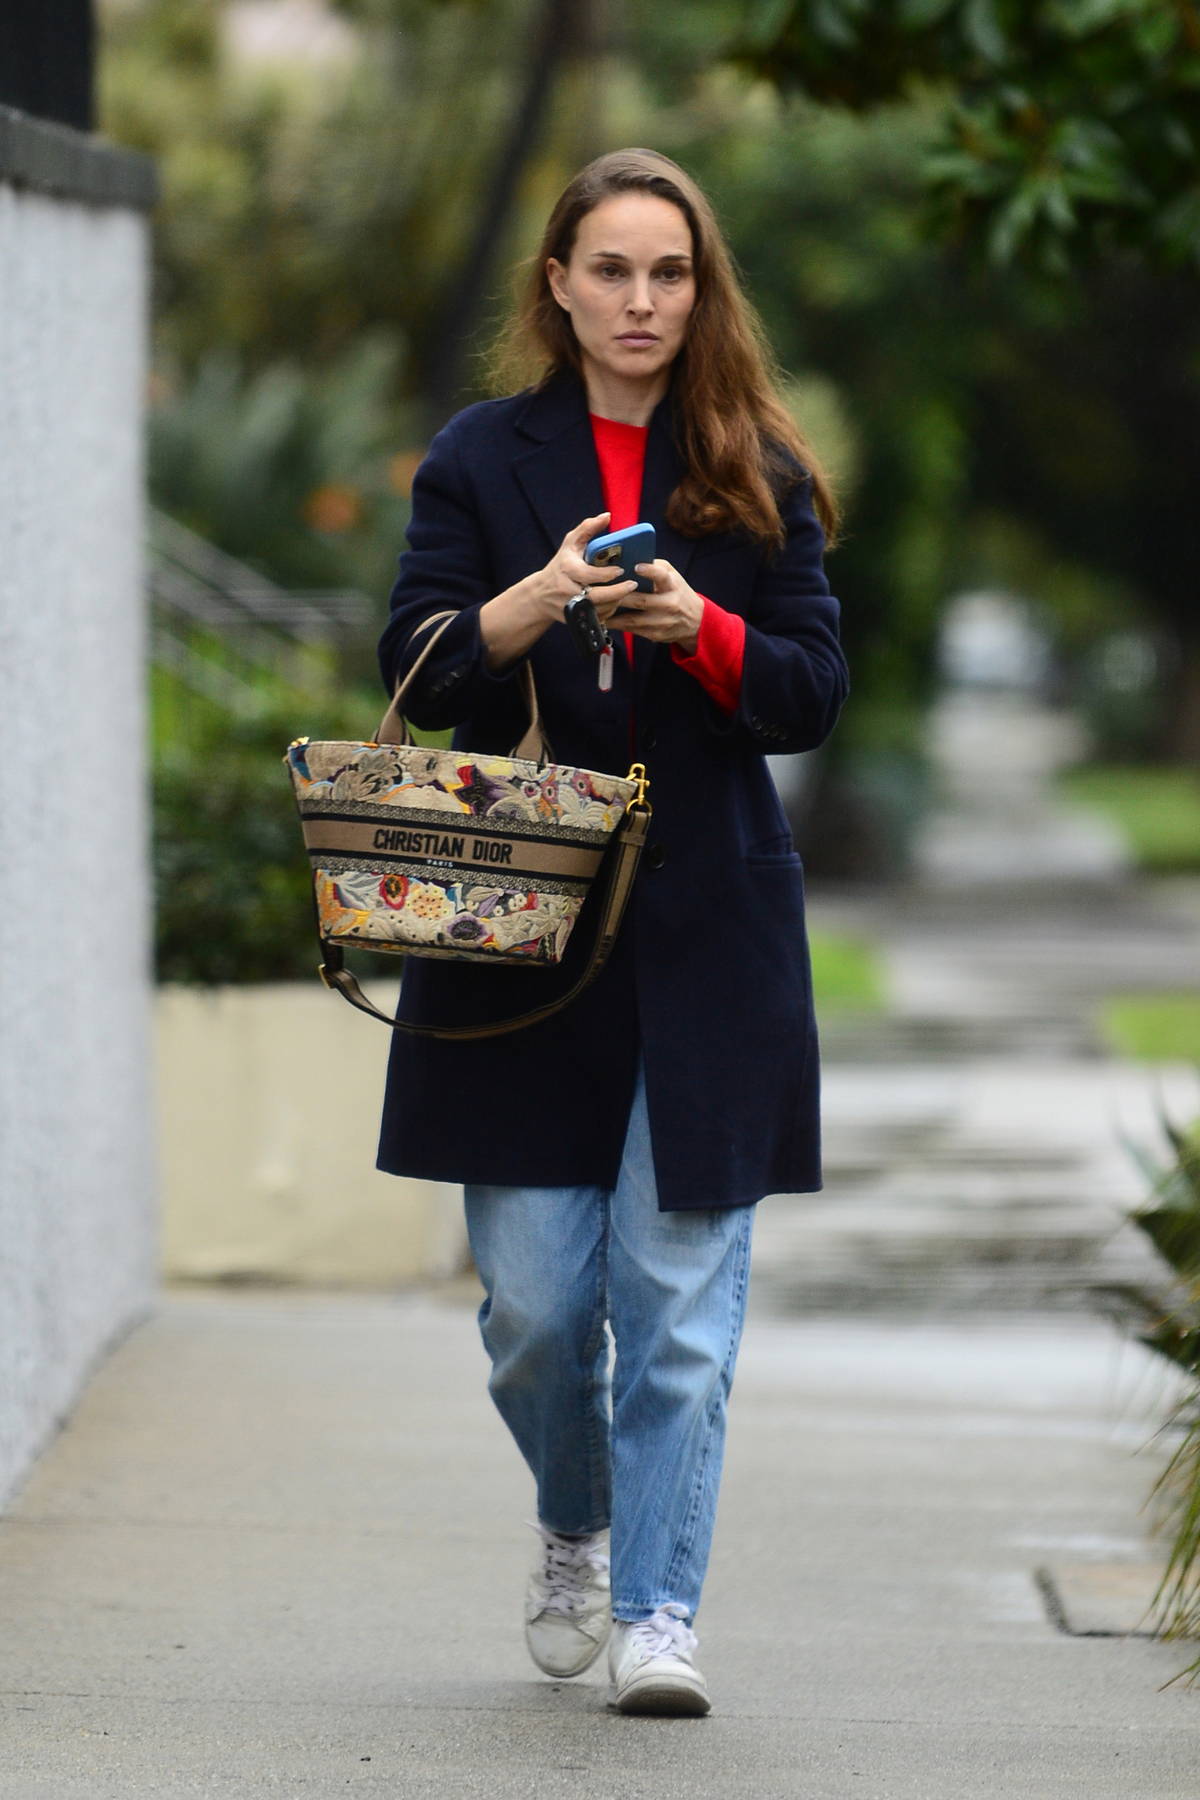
[[637, 339]]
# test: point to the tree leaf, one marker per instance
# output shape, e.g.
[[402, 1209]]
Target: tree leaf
[[1080, 18], [1012, 223], [835, 21], [767, 22], [919, 15], [982, 31]]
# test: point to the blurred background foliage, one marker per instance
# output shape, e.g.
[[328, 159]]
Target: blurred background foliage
[[1065, 128], [972, 227]]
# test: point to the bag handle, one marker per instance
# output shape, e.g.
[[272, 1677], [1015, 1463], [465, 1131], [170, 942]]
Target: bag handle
[[393, 728], [626, 849]]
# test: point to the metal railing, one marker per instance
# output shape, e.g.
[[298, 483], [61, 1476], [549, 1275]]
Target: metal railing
[[221, 627]]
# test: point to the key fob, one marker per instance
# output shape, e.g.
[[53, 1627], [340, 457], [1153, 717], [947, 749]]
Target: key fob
[[587, 633]]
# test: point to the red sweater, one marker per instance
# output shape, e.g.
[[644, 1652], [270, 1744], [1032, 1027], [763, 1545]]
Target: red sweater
[[720, 646]]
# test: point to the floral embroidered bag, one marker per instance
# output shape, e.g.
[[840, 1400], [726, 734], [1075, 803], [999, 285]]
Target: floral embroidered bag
[[448, 853]]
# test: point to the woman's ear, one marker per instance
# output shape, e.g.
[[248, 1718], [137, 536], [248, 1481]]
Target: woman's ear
[[556, 275]]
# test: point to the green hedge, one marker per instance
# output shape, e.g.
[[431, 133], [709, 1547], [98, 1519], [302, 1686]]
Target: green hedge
[[232, 885]]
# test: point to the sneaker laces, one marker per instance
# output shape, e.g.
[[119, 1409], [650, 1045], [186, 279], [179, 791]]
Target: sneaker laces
[[664, 1633], [566, 1568]]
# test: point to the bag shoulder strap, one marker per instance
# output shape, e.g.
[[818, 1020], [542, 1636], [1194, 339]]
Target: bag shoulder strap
[[626, 850]]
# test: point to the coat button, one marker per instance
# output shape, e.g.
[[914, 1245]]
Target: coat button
[[656, 856]]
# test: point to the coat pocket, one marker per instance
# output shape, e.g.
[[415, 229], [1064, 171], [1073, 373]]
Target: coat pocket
[[773, 853]]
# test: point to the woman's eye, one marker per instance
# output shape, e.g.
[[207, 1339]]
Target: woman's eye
[[608, 269]]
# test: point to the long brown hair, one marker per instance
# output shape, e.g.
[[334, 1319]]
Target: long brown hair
[[738, 441]]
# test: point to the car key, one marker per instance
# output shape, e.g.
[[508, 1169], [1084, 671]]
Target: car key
[[587, 633]]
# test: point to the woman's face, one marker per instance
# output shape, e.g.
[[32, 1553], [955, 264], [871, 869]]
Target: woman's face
[[629, 287]]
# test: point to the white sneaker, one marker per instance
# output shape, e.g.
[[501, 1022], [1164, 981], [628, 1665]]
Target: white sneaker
[[568, 1610], [651, 1666]]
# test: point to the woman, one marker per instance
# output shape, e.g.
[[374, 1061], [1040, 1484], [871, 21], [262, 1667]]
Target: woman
[[613, 1154]]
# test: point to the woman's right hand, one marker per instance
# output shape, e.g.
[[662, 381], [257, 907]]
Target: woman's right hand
[[567, 572], [513, 621]]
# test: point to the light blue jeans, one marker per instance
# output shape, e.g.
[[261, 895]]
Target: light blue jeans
[[643, 1452]]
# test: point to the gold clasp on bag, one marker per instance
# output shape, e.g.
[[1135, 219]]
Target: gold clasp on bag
[[637, 772]]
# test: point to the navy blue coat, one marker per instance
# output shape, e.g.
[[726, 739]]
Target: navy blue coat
[[710, 974]]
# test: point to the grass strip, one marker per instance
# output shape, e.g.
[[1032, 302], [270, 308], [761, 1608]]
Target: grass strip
[[1156, 809], [847, 974], [1153, 1027]]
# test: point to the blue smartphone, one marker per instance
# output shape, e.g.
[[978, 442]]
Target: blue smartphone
[[633, 545]]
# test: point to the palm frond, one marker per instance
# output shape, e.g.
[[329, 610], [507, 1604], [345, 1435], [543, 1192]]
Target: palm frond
[[1166, 1319]]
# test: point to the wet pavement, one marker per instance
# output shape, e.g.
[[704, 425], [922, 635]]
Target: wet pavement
[[977, 1132]]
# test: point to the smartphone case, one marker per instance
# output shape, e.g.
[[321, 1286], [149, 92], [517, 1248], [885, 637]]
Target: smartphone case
[[635, 544]]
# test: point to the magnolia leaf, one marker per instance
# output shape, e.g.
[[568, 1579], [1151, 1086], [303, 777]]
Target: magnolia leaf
[[768, 19], [1087, 143], [1012, 224], [955, 169], [981, 28], [1159, 29], [1179, 137], [918, 15], [1178, 226], [1014, 99], [833, 20], [1080, 18], [1057, 205]]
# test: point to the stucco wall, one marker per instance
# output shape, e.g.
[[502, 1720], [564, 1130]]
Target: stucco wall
[[77, 1234]]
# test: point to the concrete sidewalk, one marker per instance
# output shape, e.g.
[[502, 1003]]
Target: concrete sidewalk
[[279, 1550]]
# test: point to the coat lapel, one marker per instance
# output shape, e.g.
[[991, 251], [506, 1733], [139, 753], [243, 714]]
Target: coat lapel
[[559, 476]]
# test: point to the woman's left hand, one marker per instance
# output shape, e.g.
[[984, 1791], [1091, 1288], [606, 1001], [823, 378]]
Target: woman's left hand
[[670, 615]]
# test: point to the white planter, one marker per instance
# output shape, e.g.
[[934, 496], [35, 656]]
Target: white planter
[[269, 1103]]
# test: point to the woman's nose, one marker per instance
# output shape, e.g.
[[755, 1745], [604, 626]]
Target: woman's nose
[[640, 300]]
